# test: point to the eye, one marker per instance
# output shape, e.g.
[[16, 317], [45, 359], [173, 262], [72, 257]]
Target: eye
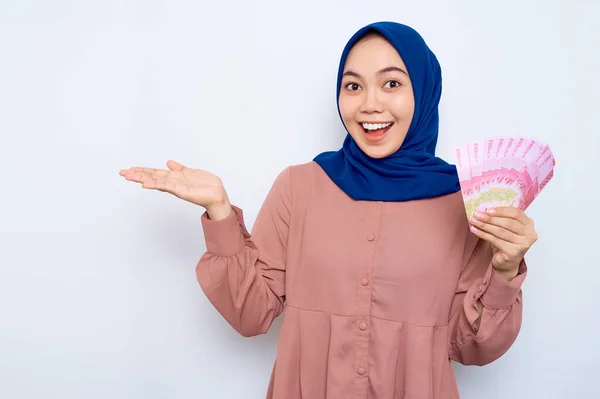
[[392, 84], [352, 86]]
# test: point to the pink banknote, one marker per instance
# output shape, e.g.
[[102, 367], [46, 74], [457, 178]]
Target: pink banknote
[[503, 171]]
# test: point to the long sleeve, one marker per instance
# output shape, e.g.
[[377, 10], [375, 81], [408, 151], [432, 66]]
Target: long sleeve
[[242, 274], [475, 339]]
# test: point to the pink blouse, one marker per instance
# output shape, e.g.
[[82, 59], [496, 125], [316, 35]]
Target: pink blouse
[[378, 296]]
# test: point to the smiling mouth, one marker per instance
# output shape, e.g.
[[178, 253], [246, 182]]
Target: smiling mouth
[[376, 131]]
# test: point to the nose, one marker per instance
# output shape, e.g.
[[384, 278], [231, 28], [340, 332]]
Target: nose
[[371, 102]]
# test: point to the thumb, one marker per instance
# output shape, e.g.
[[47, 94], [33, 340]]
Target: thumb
[[175, 166]]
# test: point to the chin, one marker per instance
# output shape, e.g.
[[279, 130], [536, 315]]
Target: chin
[[376, 151], [379, 149]]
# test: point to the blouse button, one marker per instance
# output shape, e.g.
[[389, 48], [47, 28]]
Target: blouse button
[[371, 237], [362, 326], [364, 281], [362, 370]]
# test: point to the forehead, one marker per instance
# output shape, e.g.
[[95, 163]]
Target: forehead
[[373, 51]]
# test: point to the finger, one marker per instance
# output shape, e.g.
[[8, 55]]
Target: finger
[[157, 173], [138, 177], [157, 183], [480, 219], [147, 171], [492, 239], [509, 212], [136, 169], [141, 177], [498, 231], [126, 172], [149, 184], [149, 181], [134, 177], [175, 166], [164, 185]]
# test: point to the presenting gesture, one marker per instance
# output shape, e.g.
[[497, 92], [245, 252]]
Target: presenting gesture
[[193, 185], [510, 232]]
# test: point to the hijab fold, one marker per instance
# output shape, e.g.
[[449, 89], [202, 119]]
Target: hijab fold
[[413, 171]]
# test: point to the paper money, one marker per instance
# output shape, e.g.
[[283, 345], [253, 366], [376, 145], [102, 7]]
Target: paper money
[[503, 171]]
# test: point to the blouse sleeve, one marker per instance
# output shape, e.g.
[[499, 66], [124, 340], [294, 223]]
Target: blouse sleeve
[[242, 274], [475, 339]]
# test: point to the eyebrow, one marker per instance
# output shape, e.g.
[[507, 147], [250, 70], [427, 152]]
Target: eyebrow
[[382, 71]]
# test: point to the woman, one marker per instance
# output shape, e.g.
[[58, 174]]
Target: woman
[[383, 278]]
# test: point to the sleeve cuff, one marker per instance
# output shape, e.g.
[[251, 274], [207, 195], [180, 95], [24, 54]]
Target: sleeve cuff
[[225, 237], [500, 293]]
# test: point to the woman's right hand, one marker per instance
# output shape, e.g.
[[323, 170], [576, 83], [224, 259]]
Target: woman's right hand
[[193, 185]]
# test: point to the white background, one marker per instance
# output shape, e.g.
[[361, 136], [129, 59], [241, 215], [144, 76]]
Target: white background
[[98, 296]]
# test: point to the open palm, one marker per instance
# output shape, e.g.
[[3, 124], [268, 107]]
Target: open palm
[[194, 185]]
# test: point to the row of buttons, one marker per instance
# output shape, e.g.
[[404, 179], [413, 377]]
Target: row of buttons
[[363, 325], [362, 370]]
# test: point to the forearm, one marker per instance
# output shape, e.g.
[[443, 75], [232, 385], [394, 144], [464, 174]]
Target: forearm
[[231, 274], [486, 320]]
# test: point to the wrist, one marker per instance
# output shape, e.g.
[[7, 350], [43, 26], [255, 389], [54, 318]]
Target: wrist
[[219, 211], [508, 273]]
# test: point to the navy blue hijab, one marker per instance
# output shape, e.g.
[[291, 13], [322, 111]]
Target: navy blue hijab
[[413, 172]]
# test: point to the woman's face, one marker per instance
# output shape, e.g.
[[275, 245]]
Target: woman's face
[[376, 97]]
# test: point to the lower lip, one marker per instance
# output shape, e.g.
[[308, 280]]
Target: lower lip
[[374, 136]]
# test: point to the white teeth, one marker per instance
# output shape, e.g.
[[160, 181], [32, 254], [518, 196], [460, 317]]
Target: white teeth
[[375, 126]]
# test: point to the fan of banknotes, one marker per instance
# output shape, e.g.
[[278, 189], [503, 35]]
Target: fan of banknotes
[[503, 171]]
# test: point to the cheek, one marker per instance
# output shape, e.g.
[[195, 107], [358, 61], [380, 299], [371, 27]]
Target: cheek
[[403, 107], [348, 110]]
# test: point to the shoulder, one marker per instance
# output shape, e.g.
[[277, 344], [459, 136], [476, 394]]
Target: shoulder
[[297, 183], [300, 176]]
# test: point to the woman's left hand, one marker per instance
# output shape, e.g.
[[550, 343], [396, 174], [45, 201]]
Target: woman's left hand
[[510, 232]]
